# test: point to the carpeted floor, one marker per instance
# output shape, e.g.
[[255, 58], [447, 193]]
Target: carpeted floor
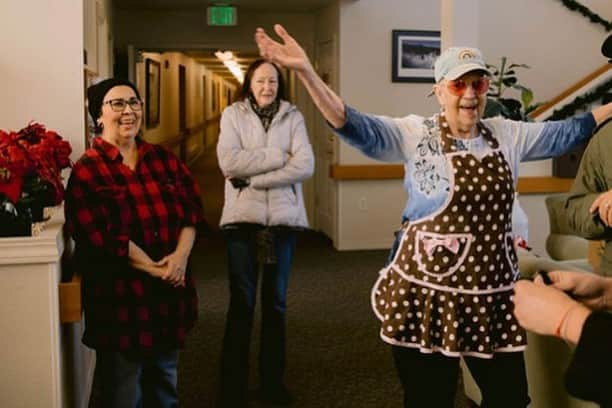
[[335, 357]]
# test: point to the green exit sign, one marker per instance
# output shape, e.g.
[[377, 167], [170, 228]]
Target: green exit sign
[[221, 16]]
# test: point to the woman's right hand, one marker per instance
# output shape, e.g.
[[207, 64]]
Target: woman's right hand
[[592, 290], [289, 54]]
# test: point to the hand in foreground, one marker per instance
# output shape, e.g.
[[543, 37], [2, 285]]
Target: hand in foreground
[[603, 206], [540, 308], [289, 54], [592, 290], [175, 265]]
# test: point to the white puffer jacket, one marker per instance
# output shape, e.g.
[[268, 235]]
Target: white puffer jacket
[[275, 162]]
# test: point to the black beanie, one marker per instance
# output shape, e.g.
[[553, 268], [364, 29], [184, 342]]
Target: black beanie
[[97, 92], [606, 48]]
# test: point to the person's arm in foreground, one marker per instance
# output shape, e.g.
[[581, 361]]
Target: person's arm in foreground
[[548, 310]]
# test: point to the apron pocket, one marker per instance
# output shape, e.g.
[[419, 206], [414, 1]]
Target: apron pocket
[[440, 255]]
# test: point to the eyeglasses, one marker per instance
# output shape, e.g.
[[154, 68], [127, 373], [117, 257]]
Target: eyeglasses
[[118, 105], [458, 86]]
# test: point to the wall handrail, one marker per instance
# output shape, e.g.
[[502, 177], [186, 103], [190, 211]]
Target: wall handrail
[[367, 172], [573, 89]]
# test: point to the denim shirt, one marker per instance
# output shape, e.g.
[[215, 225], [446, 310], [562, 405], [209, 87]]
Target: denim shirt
[[415, 141]]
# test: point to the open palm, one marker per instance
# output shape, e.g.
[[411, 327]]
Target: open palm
[[289, 54]]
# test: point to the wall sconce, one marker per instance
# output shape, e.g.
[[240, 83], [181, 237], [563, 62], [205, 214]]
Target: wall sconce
[[227, 57]]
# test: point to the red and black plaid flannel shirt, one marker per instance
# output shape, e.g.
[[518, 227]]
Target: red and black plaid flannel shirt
[[107, 205]]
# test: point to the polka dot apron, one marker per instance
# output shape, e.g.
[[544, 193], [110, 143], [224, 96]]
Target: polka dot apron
[[449, 285]]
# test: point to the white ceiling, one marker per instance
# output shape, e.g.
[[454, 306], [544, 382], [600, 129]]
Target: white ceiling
[[208, 59], [279, 5]]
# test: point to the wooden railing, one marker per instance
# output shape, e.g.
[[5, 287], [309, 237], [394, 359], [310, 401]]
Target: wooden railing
[[526, 185], [570, 90], [180, 140]]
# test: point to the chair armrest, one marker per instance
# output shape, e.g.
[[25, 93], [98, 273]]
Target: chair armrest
[[563, 247]]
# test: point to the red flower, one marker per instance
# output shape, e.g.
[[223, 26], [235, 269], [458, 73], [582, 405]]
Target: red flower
[[36, 155]]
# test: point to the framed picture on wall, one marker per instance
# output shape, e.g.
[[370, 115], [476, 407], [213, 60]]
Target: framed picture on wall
[[152, 85], [90, 78], [413, 55]]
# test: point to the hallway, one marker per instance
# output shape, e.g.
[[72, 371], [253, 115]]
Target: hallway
[[335, 357]]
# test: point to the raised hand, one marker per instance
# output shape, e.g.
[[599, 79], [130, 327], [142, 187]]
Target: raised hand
[[289, 54], [592, 290]]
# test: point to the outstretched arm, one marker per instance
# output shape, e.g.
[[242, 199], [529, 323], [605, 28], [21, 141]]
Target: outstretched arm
[[291, 55]]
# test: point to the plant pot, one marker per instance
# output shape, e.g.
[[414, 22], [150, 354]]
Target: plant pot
[[33, 211], [36, 212], [13, 226]]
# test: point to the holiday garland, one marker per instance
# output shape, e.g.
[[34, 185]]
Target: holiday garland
[[582, 101], [595, 18]]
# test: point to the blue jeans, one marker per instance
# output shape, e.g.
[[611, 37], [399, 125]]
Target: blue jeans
[[243, 277], [128, 381]]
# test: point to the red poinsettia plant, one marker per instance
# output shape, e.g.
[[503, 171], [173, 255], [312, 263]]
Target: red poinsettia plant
[[31, 161]]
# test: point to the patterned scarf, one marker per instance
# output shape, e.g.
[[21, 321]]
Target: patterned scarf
[[266, 114]]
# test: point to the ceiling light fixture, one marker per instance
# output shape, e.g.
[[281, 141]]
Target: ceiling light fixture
[[227, 57]]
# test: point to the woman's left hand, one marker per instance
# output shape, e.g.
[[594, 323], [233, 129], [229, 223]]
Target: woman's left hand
[[176, 265], [603, 206]]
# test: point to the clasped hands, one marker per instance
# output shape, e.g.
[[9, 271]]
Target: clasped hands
[[171, 268]]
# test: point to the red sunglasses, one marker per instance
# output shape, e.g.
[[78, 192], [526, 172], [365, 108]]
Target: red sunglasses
[[458, 86]]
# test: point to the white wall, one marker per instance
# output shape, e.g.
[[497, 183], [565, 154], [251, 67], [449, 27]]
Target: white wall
[[560, 46], [41, 67], [365, 83]]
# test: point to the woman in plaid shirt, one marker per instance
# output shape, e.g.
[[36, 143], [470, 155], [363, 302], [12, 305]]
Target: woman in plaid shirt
[[131, 208]]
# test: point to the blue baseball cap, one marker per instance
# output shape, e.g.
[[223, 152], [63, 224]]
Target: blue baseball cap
[[457, 61]]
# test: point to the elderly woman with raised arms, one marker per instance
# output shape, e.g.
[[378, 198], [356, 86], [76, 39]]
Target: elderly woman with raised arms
[[446, 292]]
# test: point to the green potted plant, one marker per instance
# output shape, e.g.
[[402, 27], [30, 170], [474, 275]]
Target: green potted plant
[[503, 77]]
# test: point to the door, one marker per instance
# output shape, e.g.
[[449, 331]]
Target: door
[[325, 150], [183, 112]]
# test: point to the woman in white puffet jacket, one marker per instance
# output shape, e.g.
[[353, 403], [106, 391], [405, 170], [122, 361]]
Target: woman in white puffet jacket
[[265, 154]]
